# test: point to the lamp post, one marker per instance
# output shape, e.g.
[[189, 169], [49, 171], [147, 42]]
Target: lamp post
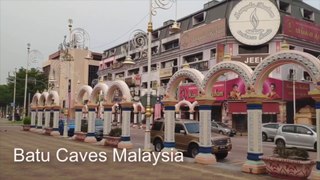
[[32, 56], [14, 94]]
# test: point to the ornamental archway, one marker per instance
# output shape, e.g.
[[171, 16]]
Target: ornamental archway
[[34, 110], [97, 96], [206, 101], [53, 102], [171, 99], [138, 113], [310, 63], [43, 109], [181, 104]]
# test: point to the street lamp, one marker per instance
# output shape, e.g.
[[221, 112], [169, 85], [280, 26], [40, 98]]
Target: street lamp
[[138, 41], [33, 57]]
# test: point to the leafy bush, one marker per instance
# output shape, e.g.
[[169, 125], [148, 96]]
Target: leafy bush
[[27, 121], [293, 153], [116, 132]]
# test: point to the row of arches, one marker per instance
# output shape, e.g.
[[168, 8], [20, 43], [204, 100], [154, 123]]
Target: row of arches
[[253, 82]]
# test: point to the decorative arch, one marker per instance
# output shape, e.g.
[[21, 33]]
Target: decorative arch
[[123, 87], [96, 90], [193, 74], [136, 106], [35, 99], [43, 99], [243, 70], [183, 102], [53, 98], [194, 104], [309, 62], [83, 90]]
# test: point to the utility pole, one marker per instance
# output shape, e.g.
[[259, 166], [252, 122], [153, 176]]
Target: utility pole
[[14, 94]]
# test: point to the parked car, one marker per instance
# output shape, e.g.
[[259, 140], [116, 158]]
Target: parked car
[[187, 138], [70, 124], [296, 135], [221, 128], [269, 131]]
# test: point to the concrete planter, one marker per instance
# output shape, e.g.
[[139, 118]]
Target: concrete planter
[[288, 168], [47, 131], [112, 141], [80, 136], [26, 127]]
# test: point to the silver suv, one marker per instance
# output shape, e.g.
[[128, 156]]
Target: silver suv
[[221, 128], [296, 135], [269, 131]]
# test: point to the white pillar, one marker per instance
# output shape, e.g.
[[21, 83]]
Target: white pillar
[[91, 125], [135, 118], [125, 136], [177, 115], [55, 130], [169, 139], [47, 118], [191, 115], [205, 155], [254, 164], [33, 119], [107, 120], [77, 122], [39, 123], [118, 117], [142, 116]]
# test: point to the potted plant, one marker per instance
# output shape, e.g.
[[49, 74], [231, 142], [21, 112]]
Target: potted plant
[[289, 163], [114, 137], [26, 124]]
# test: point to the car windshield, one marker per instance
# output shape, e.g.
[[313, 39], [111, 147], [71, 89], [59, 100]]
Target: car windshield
[[99, 122], [192, 127], [221, 124]]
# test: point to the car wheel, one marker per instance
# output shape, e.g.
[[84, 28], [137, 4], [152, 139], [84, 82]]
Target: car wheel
[[280, 143], [158, 146], [193, 150], [221, 156], [264, 137]]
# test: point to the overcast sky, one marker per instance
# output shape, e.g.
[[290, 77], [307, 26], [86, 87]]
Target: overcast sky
[[43, 23]]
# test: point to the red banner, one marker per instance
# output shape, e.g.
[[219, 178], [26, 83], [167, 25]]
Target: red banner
[[301, 90], [301, 29]]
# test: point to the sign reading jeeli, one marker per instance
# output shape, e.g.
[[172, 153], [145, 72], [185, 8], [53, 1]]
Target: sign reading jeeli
[[254, 22]]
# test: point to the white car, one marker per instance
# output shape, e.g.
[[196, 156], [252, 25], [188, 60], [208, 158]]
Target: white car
[[269, 131], [296, 135]]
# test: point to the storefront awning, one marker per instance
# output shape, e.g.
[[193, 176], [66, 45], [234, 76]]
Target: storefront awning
[[237, 107], [270, 108]]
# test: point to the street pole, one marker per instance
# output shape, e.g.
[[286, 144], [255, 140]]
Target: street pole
[[14, 94], [294, 94], [26, 84]]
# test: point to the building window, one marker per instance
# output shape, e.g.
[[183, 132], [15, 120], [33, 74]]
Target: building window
[[253, 49], [307, 15], [155, 50], [153, 68], [119, 75], [121, 59], [155, 35], [133, 71], [284, 7], [193, 58], [291, 47], [164, 82], [169, 64], [201, 66], [199, 18], [291, 74], [213, 53], [171, 45], [92, 73], [306, 76]]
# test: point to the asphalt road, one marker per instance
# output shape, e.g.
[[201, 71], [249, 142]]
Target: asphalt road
[[12, 137]]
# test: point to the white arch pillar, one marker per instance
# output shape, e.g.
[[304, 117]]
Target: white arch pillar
[[33, 119], [107, 119], [77, 122], [205, 155], [191, 115], [47, 117], [56, 113], [91, 125], [169, 139], [254, 164], [125, 125], [39, 122]]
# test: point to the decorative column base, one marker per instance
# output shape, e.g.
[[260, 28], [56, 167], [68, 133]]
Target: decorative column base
[[169, 147], [90, 139], [55, 132], [254, 167], [39, 130], [205, 156], [125, 145], [33, 129]]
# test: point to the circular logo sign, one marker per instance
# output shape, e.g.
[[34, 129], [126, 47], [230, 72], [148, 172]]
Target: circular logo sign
[[254, 22]]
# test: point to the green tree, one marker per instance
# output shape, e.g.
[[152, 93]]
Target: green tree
[[37, 81], [5, 98]]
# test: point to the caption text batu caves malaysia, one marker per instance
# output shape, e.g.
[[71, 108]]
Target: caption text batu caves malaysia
[[229, 91]]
